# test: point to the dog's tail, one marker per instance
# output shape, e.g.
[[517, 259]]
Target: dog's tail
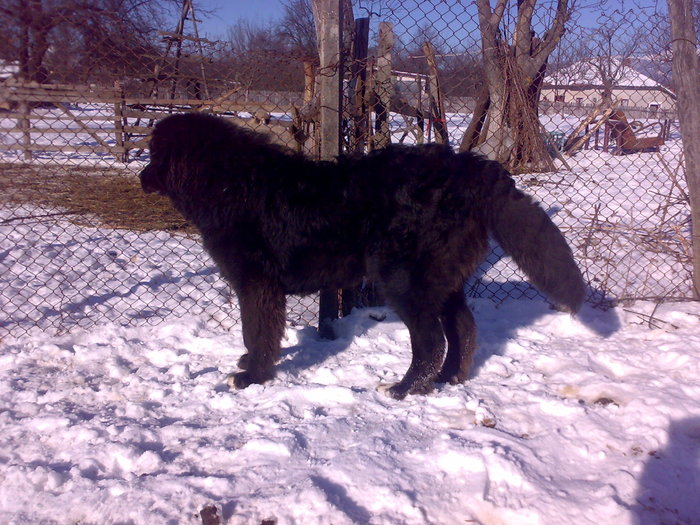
[[527, 234]]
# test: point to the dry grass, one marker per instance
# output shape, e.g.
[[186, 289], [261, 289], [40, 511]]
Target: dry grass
[[90, 196]]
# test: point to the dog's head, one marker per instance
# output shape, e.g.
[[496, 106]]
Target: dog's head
[[185, 153]]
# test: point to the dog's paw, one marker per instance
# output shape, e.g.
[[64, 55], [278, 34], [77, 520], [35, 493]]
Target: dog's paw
[[243, 362], [452, 378], [244, 379], [401, 389]]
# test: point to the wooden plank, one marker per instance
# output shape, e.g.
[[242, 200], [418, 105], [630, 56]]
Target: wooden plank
[[143, 129], [66, 148], [8, 92], [55, 117], [437, 105], [84, 128], [55, 98], [252, 107], [573, 142], [133, 114], [178, 103], [138, 130], [177, 36], [119, 118], [56, 92], [573, 136], [63, 130], [358, 86], [577, 144], [55, 87], [383, 86], [23, 124]]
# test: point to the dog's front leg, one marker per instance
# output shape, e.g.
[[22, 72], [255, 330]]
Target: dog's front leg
[[262, 316]]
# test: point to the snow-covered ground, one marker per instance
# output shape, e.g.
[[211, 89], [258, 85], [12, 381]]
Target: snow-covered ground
[[593, 419]]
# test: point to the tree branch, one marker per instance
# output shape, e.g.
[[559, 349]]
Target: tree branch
[[522, 40], [552, 37]]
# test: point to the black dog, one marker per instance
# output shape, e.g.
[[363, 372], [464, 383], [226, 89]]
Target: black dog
[[413, 220]]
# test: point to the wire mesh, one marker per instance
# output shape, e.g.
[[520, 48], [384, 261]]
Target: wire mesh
[[576, 103]]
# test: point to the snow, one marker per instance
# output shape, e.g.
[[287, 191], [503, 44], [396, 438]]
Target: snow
[[593, 419], [128, 419]]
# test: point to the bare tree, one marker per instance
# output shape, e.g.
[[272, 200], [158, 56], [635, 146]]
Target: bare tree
[[612, 45], [42, 33], [260, 58], [513, 69], [298, 29], [250, 37]]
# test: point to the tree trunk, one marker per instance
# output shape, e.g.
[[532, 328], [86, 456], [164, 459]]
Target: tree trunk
[[34, 41], [685, 79], [496, 141], [511, 132], [471, 136]]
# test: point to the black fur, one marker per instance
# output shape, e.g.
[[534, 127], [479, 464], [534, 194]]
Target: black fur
[[414, 220]]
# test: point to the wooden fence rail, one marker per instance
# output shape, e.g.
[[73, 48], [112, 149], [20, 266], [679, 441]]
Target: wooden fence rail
[[46, 117]]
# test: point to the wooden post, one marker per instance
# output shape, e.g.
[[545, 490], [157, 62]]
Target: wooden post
[[309, 81], [24, 125], [122, 153], [303, 120], [358, 85], [420, 138], [370, 98], [685, 79], [383, 85], [437, 107], [328, 15], [328, 21]]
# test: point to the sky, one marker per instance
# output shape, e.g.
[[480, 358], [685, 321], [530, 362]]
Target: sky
[[226, 12]]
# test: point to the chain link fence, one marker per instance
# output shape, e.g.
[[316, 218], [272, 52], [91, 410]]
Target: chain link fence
[[577, 103]]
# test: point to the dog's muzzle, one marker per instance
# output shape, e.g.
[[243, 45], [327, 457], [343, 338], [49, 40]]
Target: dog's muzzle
[[148, 178]]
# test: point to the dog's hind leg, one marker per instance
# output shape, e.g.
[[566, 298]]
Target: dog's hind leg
[[460, 331], [428, 346], [262, 317]]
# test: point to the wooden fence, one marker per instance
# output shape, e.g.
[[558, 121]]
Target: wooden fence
[[39, 117]]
